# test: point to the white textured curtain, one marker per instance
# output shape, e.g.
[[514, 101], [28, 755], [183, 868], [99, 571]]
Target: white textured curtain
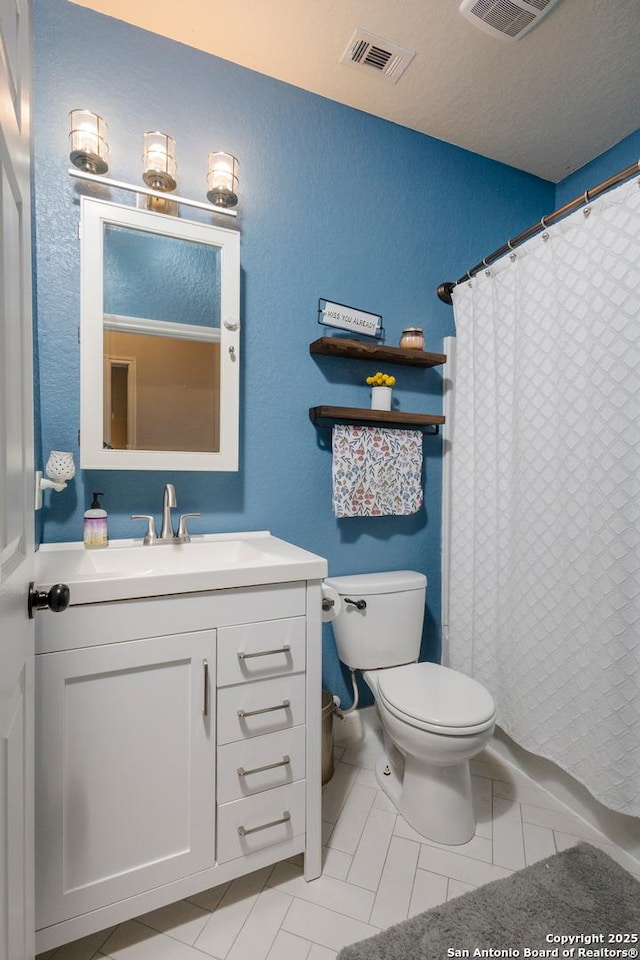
[[544, 589]]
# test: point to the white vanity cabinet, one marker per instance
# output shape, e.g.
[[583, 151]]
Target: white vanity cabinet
[[177, 747]]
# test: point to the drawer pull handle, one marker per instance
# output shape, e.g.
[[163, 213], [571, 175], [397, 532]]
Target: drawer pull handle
[[243, 714], [286, 816], [205, 692], [285, 648], [286, 760]]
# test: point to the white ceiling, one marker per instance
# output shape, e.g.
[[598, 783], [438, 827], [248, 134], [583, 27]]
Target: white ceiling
[[547, 103]]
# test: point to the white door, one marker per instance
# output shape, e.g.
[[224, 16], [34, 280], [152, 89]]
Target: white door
[[16, 490]]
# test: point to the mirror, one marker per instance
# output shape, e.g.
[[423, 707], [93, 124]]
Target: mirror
[[159, 341]]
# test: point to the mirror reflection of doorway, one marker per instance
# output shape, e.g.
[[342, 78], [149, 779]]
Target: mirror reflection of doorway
[[120, 382]]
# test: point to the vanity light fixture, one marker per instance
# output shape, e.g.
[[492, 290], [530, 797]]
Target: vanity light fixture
[[222, 179], [89, 148], [159, 161], [59, 469], [89, 152]]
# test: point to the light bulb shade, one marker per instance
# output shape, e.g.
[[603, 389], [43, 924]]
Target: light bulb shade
[[60, 466], [89, 148], [222, 180], [159, 161]]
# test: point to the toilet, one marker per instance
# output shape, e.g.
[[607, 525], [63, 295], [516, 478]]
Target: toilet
[[434, 719]]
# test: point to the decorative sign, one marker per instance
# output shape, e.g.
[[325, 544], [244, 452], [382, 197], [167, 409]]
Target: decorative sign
[[348, 318]]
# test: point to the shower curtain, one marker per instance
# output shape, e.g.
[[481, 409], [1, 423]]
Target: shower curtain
[[544, 578]]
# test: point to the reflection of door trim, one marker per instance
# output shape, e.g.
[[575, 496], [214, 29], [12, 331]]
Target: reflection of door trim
[[161, 328], [132, 420]]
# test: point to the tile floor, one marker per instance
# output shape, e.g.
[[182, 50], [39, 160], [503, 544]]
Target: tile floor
[[377, 871]]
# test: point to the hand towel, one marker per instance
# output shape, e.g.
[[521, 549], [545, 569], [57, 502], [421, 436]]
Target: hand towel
[[376, 471]]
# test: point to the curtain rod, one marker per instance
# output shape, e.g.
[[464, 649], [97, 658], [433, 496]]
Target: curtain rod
[[445, 289]]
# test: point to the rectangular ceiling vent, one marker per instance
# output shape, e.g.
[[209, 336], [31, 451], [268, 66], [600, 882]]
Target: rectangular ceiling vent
[[369, 52], [507, 19]]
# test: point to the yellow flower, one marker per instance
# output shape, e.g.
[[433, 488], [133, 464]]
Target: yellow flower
[[381, 379]]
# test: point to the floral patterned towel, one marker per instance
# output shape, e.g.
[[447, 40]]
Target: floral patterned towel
[[376, 471]]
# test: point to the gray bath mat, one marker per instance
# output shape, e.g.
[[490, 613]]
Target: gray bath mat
[[580, 893]]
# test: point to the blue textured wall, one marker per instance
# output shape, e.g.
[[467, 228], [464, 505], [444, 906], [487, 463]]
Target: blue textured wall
[[334, 203], [611, 161]]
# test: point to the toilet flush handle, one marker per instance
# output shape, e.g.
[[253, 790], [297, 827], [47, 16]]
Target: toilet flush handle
[[358, 604]]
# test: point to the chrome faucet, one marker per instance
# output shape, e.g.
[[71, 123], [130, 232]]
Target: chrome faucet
[[167, 534], [168, 501]]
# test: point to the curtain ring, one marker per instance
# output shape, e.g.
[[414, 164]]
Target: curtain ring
[[509, 244], [542, 222]]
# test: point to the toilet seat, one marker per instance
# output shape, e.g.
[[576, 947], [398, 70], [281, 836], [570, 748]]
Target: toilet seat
[[435, 698]]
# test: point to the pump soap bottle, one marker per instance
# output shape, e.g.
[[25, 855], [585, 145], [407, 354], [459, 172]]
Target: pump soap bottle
[[95, 525]]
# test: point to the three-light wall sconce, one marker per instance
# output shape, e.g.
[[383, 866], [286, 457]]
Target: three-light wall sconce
[[90, 156]]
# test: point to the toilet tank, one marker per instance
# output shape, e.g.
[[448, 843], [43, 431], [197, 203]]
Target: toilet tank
[[387, 630]]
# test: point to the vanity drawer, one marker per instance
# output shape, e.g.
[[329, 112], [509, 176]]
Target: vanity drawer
[[266, 706], [241, 766], [254, 823], [255, 651]]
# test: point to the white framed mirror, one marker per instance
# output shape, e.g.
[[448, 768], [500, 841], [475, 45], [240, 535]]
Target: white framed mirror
[[159, 341]]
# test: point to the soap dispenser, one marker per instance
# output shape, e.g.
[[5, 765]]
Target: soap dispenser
[[95, 525]]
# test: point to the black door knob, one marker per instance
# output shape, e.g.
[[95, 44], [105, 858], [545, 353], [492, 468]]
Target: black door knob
[[56, 599]]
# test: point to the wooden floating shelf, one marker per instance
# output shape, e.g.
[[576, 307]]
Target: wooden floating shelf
[[324, 416], [358, 350]]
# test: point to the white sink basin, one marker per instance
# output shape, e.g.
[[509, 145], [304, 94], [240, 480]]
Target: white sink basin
[[173, 557], [127, 569]]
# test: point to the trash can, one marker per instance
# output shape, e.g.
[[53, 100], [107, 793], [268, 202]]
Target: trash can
[[327, 737]]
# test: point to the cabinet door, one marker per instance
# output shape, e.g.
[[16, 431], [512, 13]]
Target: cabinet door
[[125, 770]]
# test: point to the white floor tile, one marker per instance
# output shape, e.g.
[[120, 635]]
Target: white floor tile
[[83, 949], [478, 847], [361, 757], [429, 890], [348, 830], [482, 805], [327, 892], [321, 953], [182, 920], [508, 845], [327, 830], [527, 792], [135, 941], [382, 802], [556, 820], [538, 842], [458, 867], [325, 927], [456, 888], [337, 790], [286, 946], [209, 899], [371, 853], [376, 871], [367, 778], [261, 927], [223, 926], [335, 863], [396, 883]]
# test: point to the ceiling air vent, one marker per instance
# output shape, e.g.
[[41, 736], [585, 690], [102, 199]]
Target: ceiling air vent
[[369, 52], [508, 19]]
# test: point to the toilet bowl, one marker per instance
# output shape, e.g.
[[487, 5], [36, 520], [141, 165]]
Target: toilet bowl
[[434, 719]]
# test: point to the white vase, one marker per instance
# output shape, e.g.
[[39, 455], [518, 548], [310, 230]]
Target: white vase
[[381, 398]]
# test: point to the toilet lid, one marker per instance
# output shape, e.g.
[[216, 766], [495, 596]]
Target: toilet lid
[[436, 695]]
